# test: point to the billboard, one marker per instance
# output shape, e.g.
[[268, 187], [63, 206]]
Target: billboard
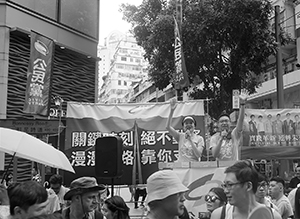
[[141, 126], [271, 134]]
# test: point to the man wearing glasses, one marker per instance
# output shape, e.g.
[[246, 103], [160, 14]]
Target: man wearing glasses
[[261, 193], [240, 186], [224, 144]]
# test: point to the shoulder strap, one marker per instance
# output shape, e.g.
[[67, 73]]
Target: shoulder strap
[[270, 208], [98, 215], [223, 213]]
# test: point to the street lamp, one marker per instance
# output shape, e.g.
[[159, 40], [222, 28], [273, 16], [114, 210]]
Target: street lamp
[[58, 101]]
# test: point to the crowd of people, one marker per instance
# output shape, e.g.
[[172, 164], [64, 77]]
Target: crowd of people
[[243, 192]]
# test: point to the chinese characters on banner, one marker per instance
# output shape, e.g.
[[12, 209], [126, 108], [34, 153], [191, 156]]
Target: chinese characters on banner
[[155, 143], [39, 75], [271, 127], [155, 147], [180, 78]]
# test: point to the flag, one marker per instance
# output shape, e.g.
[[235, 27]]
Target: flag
[[180, 78], [39, 74]]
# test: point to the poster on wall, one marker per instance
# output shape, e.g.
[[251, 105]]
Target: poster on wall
[[275, 129], [88, 121]]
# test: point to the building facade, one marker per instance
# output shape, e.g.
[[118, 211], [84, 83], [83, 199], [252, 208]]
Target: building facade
[[122, 66], [266, 94], [73, 26]]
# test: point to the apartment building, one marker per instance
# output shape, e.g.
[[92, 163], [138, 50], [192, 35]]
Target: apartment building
[[122, 67]]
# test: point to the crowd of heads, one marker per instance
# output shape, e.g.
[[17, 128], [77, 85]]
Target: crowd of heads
[[166, 194], [30, 199]]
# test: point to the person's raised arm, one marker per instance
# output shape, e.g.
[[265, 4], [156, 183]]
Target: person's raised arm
[[172, 131], [240, 121]]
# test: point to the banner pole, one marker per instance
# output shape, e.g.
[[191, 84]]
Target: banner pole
[[179, 95]]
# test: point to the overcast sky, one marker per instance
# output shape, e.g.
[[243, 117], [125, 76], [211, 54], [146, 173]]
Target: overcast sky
[[111, 18]]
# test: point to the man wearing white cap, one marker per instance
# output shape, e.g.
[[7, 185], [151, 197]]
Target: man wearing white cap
[[190, 145], [165, 195]]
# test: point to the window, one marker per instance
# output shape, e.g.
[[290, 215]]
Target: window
[[125, 83], [119, 82], [131, 59], [123, 58]]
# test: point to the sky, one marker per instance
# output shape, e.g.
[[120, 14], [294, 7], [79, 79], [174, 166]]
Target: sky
[[111, 18]]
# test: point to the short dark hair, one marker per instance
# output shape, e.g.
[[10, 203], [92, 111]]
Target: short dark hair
[[252, 116], [278, 180], [26, 194], [55, 179], [117, 204], [244, 172], [262, 177]]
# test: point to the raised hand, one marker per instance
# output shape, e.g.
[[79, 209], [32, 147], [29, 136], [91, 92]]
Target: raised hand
[[244, 96], [173, 103]]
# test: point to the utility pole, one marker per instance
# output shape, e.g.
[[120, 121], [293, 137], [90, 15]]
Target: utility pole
[[279, 70], [284, 164]]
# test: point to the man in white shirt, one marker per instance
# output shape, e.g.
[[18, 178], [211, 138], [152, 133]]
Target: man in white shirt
[[276, 191], [56, 185]]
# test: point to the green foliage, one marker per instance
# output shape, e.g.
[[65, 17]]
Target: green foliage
[[225, 42]]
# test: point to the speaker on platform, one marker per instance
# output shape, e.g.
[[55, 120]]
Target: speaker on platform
[[108, 157]]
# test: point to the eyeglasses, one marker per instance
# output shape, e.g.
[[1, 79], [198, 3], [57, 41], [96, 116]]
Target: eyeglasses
[[211, 198], [229, 186]]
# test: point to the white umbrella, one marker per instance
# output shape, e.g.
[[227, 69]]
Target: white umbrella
[[26, 146]]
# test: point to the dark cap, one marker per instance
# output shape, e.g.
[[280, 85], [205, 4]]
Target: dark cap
[[83, 185]]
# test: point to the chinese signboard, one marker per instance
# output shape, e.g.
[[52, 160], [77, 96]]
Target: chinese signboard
[[39, 75], [180, 78], [32, 126], [235, 99], [271, 133], [85, 123]]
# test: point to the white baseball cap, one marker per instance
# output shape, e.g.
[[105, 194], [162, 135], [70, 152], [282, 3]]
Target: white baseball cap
[[162, 184]]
